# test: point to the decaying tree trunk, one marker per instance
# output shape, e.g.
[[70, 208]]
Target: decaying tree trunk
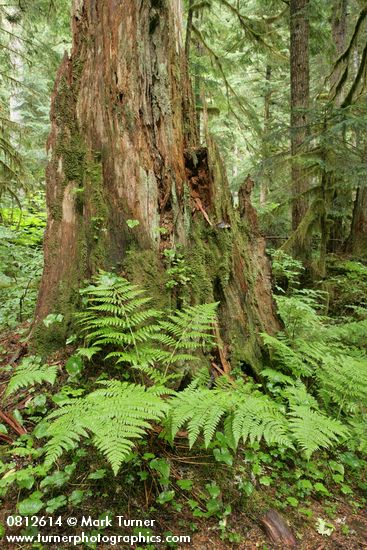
[[124, 146]]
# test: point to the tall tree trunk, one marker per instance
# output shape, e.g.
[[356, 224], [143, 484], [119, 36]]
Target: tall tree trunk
[[189, 24], [341, 198], [339, 33], [124, 145], [300, 94], [357, 242], [266, 175]]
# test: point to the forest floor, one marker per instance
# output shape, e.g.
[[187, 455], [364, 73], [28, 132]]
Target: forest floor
[[345, 520]]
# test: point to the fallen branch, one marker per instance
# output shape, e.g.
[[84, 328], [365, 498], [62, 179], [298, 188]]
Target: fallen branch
[[14, 424]]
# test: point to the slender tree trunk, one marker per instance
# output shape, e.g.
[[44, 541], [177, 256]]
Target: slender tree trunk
[[198, 53], [341, 199], [300, 93], [357, 242], [124, 146], [266, 176], [339, 32], [190, 16]]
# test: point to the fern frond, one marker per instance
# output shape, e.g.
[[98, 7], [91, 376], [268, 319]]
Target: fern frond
[[247, 416], [116, 317], [276, 377], [116, 416], [354, 333], [258, 417], [201, 409], [155, 375], [285, 357], [30, 372], [343, 380], [313, 430], [297, 395]]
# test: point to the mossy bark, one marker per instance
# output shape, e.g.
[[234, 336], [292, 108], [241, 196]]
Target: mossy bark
[[357, 241], [124, 145]]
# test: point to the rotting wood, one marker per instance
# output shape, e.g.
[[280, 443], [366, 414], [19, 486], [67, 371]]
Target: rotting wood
[[14, 424], [277, 529], [124, 145]]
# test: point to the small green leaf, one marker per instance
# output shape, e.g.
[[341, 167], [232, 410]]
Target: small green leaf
[[98, 474], [76, 497], [213, 506], [162, 467], [223, 455], [265, 480], [88, 352], [18, 417], [54, 503], [74, 365], [53, 318], [320, 488], [148, 456], [336, 467], [346, 490], [292, 501], [25, 480], [40, 430], [247, 488], [132, 223], [165, 496], [306, 512], [30, 506], [185, 484], [57, 479], [213, 490]]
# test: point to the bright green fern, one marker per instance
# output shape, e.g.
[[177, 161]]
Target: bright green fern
[[119, 323], [30, 372], [248, 414], [115, 416], [314, 430], [118, 320]]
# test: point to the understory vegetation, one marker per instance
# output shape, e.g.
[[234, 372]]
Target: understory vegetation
[[140, 411], [139, 378]]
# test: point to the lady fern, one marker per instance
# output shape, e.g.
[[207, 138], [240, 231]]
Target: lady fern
[[250, 415], [120, 413], [115, 416], [313, 430], [285, 357], [117, 318], [119, 321], [30, 372], [343, 380]]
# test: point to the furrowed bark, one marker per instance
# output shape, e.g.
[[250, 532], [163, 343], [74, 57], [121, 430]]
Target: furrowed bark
[[124, 146]]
